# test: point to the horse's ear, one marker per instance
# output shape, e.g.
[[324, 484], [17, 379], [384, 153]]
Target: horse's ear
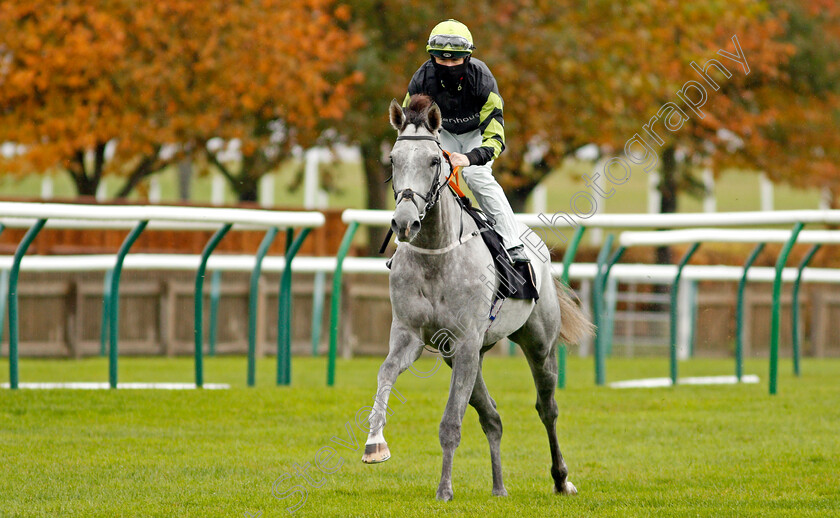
[[434, 117], [397, 116]]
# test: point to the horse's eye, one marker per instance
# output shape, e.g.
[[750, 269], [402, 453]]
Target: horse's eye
[[435, 161]]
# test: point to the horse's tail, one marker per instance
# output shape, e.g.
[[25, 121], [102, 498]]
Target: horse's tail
[[574, 324]]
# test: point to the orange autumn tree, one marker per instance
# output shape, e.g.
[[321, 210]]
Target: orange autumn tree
[[600, 71], [675, 53], [80, 83], [286, 79], [799, 144], [125, 88]]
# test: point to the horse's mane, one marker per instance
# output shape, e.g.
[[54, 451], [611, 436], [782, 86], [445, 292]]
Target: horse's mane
[[417, 112]]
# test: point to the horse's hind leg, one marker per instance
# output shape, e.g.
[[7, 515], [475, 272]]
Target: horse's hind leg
[[491, 423], [541, 358], [404, 348]]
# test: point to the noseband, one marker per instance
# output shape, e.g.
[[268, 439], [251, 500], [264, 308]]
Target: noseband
[[431, 197]]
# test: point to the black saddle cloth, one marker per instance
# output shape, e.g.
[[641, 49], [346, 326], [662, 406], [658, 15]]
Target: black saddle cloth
[[515, 281]]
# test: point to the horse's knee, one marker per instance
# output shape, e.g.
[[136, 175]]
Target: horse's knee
[[450, 434], [389, 367]]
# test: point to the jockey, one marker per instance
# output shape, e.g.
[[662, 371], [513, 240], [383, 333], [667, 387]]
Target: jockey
[[473, 128]]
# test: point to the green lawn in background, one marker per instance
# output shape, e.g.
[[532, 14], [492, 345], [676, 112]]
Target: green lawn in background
[[685, 451], [736, 191]]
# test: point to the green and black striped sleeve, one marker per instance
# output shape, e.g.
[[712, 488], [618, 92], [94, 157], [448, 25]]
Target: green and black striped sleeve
[[492, 127]]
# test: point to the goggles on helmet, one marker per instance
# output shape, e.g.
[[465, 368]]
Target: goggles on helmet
[[450, 42]]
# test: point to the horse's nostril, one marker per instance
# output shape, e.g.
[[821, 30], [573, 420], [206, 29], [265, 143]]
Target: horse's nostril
[[394, 226], [415, 226]]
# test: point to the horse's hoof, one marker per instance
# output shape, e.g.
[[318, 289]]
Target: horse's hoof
[[568, 489], [500, 492], [444, 495], [376, 453]]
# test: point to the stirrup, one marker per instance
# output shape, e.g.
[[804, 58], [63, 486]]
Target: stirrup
[[517, 254]]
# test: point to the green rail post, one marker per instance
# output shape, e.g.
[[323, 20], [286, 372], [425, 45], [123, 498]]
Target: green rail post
[[608, 312], [561, 368], [597, 309], [568, 257], [777, 308], [797, 350], [106, 313], [13, 300], [692, 334], [284, 314], [569, 254], [4, 294], [317, 309], [610, 293], [215, 295], [198, 322], [739, 313], [114, 320], [335, 299], [674, 293], [282, 358], [253, 301]]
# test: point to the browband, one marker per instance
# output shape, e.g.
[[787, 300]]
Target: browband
[[417, 137]]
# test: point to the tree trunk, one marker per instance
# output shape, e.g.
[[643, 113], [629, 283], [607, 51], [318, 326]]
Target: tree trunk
[[184, 177], [668, 193], [85, 186], [247, 189], [144, 169], [376, 190], [248, 192], [247, 182]]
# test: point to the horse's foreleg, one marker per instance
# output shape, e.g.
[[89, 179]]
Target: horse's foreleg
[[465, 365], [405, 347]]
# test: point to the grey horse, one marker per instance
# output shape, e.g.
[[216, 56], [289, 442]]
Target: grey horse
[[442, 286]]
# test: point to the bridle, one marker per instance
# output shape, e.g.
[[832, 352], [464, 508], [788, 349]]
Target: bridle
[[431, 198], [433, 195]]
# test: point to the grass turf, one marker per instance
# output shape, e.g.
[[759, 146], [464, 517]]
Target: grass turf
[[684, 451]]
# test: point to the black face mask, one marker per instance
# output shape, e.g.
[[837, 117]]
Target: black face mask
[[451, 76]]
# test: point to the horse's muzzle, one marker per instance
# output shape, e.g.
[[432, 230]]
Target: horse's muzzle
[[406, 222]]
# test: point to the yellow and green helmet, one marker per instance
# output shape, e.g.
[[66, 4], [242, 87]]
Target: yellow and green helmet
[[450, 39]]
